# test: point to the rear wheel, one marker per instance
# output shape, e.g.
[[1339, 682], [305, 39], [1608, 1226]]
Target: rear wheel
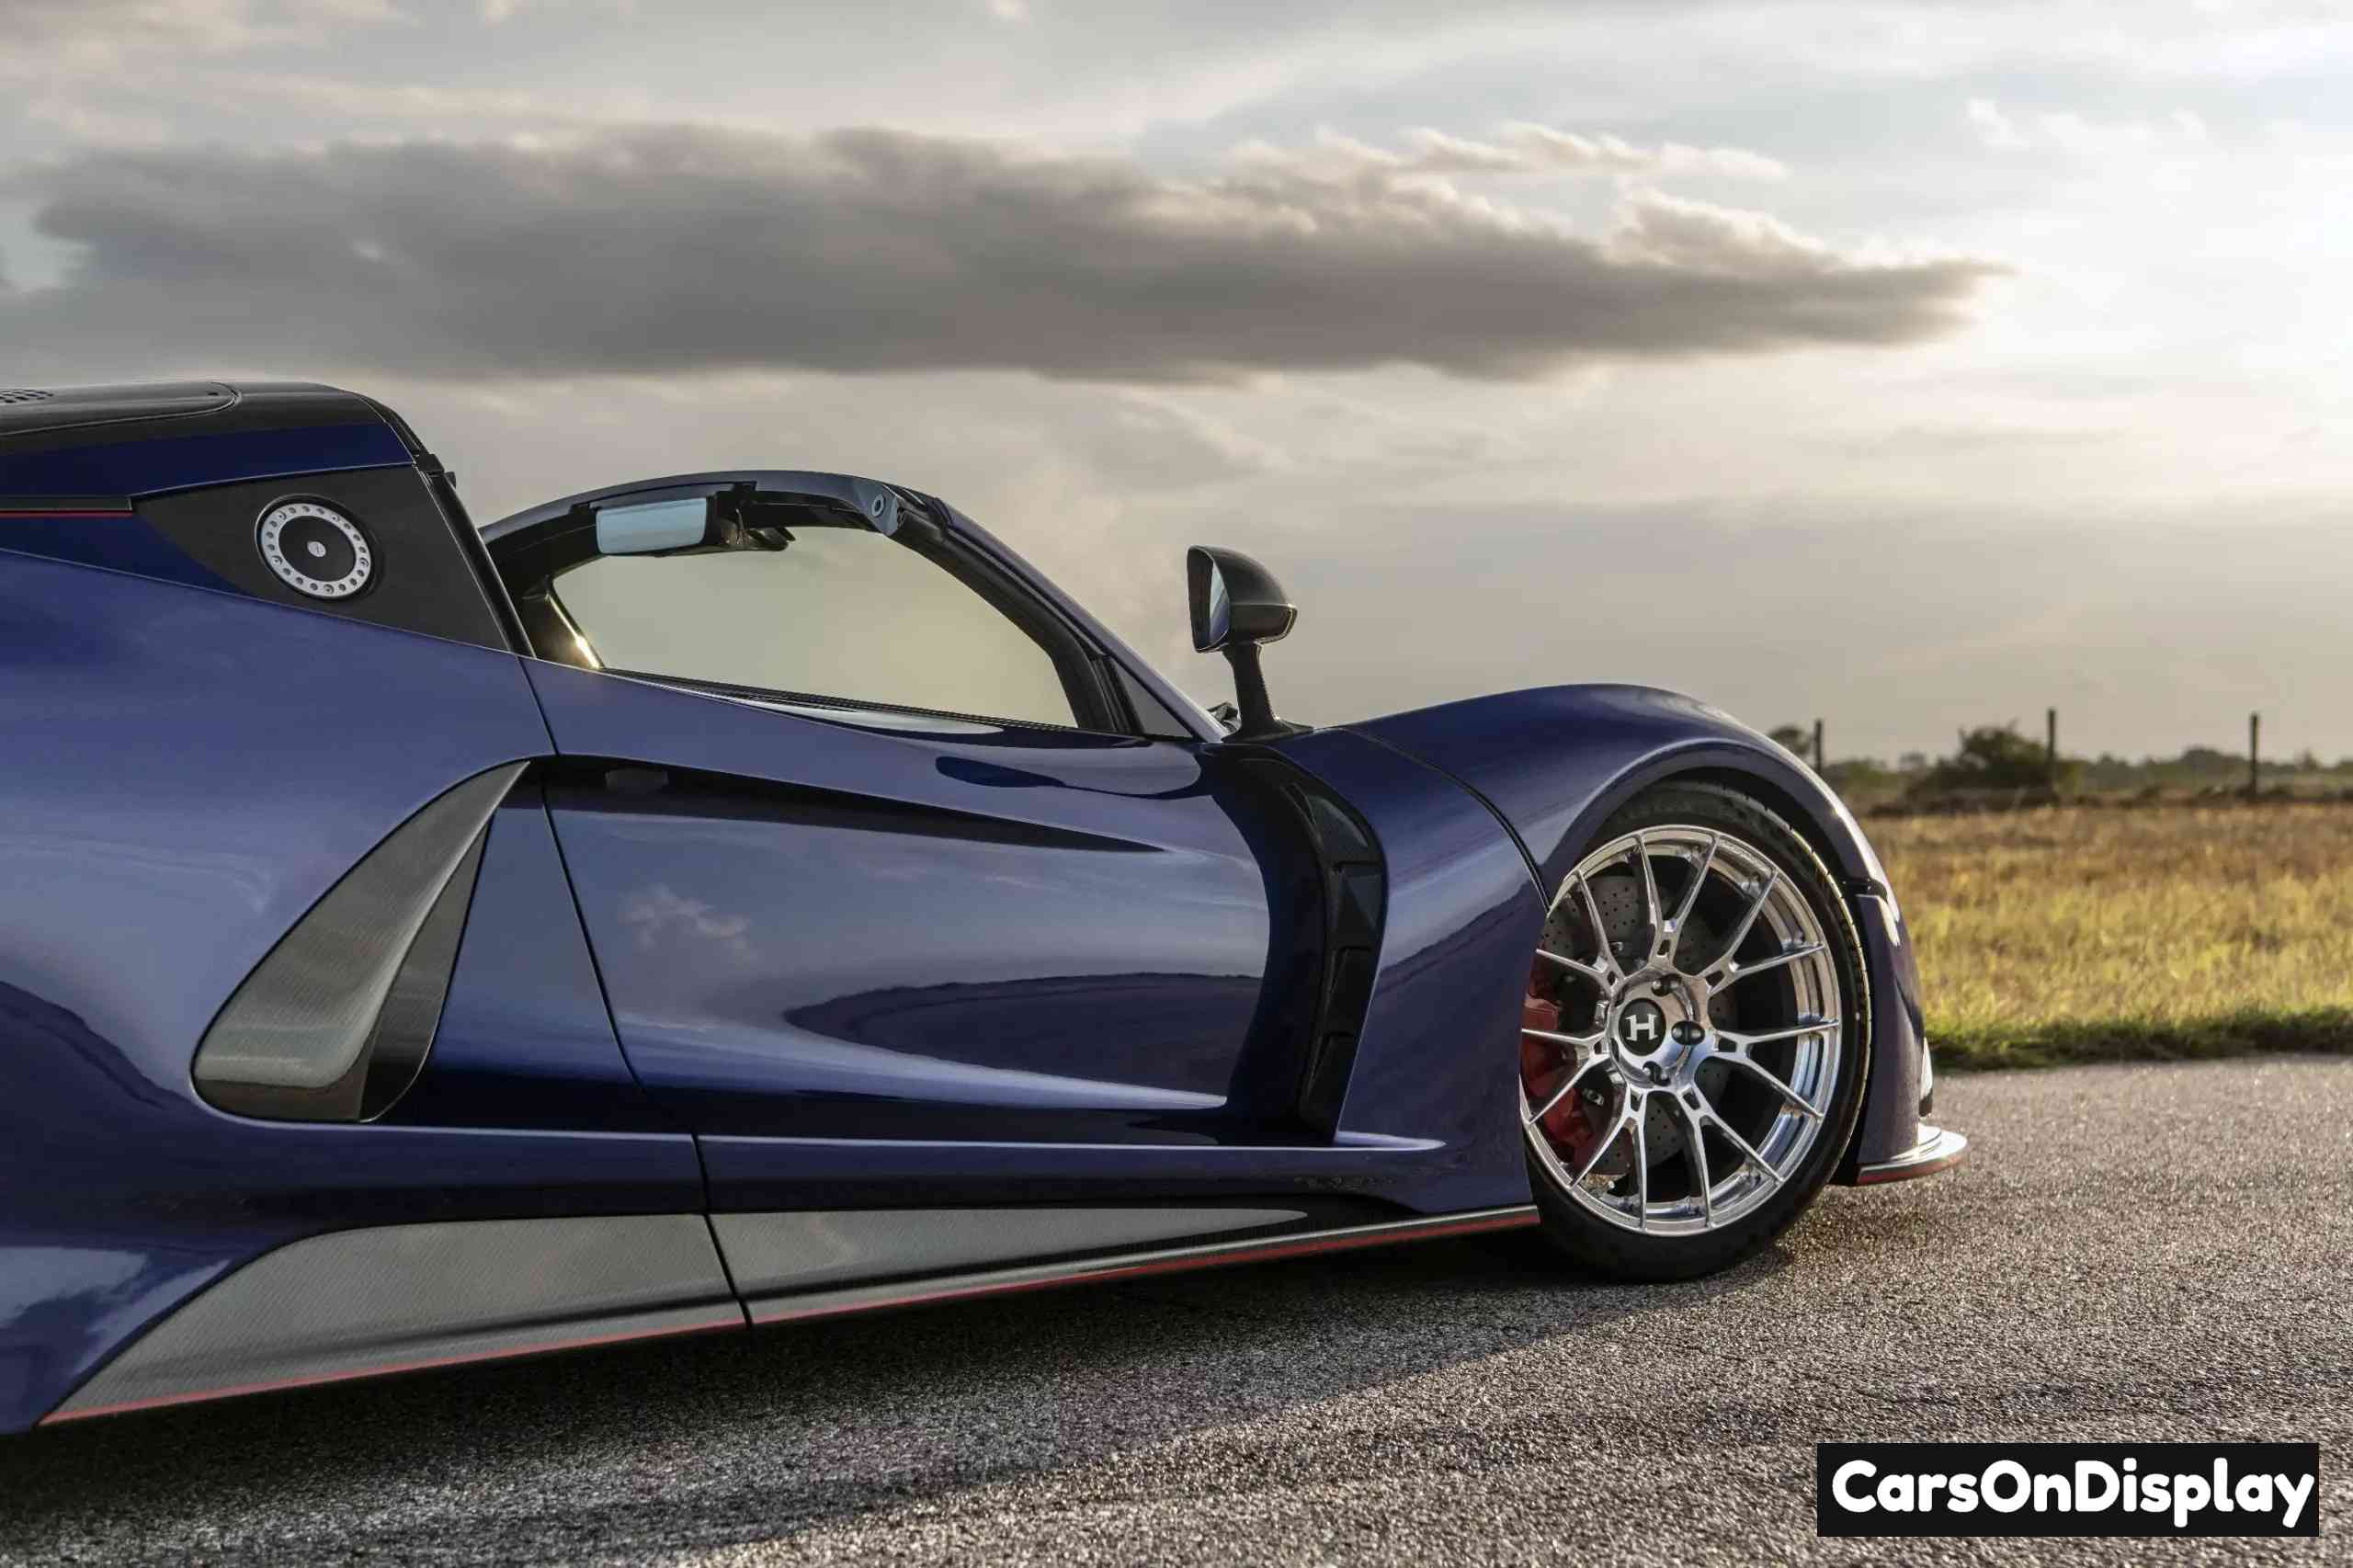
[[1694, 1037]]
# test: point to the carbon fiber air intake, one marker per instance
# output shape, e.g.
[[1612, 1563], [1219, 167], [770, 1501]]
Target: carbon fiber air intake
[[335, 1023]]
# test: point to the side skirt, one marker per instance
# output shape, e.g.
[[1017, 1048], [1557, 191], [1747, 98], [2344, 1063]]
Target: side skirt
[[791, 1306], [402, 1297], [407, 1298]]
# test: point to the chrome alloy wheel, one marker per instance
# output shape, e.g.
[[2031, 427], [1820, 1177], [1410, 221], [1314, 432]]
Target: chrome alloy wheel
[[1680, 1038]]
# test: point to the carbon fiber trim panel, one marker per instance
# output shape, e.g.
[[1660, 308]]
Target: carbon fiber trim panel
[[355, 1302], [294, 1041], [771, 1254], [412, 1011], [843, 1299]]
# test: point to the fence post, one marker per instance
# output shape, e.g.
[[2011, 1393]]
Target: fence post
[[2050, 746], [2254, 736], [1817, 746]]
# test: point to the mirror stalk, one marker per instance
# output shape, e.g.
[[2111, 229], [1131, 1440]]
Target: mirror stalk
[[1258, 713]]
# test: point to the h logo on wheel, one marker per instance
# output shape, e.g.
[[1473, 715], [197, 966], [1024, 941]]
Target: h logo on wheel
[[1641, 1025]]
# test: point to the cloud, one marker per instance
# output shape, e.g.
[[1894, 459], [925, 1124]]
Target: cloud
[[1520, 149], [673, 249], [107, 28], [1994, 128], [2074, 133]]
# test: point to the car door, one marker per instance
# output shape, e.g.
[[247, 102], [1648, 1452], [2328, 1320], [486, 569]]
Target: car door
[[870, 844]]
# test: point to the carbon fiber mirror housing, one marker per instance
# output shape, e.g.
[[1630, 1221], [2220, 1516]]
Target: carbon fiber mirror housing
[[1236, 605]]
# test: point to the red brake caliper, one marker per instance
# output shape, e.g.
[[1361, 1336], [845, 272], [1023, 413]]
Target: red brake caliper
[[1541, 1061]]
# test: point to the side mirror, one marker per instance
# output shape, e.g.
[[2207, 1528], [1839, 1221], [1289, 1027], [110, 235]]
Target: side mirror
[[1236, 605]]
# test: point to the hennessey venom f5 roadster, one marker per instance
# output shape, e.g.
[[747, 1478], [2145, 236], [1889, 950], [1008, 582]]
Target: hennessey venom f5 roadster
[[732, 898]]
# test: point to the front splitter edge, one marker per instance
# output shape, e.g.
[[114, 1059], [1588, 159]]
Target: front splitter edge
[[1938, 1149]]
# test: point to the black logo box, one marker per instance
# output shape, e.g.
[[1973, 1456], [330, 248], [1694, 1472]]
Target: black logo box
[[2293, 1460]]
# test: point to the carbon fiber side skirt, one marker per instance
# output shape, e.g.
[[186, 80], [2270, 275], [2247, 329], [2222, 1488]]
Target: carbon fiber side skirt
[[399, 1298], [404, 1298]]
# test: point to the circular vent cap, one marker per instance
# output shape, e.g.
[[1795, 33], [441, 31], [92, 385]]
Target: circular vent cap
[[315, 550]]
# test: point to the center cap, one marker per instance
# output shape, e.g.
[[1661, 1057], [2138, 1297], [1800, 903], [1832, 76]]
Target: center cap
[[1641, 1028]]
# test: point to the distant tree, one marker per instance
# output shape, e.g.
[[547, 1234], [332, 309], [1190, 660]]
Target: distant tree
[[1995, 756], [1912, 762], [1849, 773], [2110, 771], [1799, 738]]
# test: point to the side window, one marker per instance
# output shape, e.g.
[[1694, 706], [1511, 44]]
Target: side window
[[844, 614]]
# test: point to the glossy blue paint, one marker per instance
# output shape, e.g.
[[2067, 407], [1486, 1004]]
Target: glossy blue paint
[[1556, 761], [1891, 1121], [893, 926], [184, 462], [524, 1039], [188, 771], [118, 544], [1439, 1056], [1429, 1124]]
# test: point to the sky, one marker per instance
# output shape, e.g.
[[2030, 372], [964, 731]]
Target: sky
[[1911, 366]]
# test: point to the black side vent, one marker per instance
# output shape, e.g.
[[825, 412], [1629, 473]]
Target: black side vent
[[1354, 886], [24, 394], [334, 1024], [1356, 895]]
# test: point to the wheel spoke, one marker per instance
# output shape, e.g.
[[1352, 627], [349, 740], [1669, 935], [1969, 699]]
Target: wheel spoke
[[1699, 1163], [1586, 1040], [1737, 1141], [1577, 967], [1742, 970], [1740, 1044], [1772, 1081], [1641, 1173], [1617, 1130], [1748, 920], [1576, 1075], [1699, 879], [1600, 935], [1653, 912]]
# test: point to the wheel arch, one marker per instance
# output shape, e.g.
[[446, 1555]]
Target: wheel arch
[[1556, 763]]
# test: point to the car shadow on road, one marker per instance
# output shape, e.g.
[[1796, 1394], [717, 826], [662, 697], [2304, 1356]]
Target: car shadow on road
[[732, 1438]]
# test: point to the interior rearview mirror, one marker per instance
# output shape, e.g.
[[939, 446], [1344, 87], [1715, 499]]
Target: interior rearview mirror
[[1236, 605], [743, 518], [651, 525]]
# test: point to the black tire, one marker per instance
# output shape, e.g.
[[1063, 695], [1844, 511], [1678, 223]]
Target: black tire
[[1592, 1242]]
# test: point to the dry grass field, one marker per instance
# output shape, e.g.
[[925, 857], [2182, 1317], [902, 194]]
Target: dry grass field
[[2088, 934]]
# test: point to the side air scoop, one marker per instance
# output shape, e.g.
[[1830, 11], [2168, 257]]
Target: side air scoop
[[336, 1021]]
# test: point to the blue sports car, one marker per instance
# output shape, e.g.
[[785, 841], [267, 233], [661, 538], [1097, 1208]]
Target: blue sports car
[[724, 899]]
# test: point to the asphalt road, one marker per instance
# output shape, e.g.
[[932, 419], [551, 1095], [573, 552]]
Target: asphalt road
[[2136, 1253]]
